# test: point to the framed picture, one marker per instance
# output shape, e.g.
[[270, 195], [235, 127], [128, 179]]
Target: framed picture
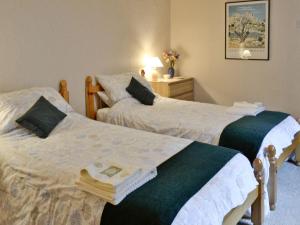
[[247, 30]]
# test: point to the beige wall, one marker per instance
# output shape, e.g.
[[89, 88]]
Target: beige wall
[[198, 30], [43, 41]]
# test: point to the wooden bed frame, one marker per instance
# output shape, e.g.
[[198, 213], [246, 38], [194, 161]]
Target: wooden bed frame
[[63, 90], [92, 100], [255, 199]]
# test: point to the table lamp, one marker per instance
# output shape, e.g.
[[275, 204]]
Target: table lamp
[[151, 64]]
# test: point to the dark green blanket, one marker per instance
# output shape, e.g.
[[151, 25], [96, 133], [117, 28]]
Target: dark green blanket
[[248, 133], [178, 179]]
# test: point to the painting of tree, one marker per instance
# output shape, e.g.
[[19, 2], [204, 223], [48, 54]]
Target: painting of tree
[[247, 25], [242, 25]]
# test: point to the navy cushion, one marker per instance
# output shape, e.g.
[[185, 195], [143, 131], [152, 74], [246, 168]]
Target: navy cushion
[[41, 118], [140, 92]]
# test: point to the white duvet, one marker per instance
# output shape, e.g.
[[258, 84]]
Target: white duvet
[[192, 120], [37, 176]]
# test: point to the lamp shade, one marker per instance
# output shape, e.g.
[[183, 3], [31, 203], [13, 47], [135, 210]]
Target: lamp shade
[[152, 62]]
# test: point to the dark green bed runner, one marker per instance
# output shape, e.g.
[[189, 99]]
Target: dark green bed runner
[[178, 179], [248, 133]]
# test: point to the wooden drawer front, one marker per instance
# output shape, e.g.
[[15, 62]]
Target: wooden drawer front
[[187, 96], [161, 88], [181, 88]]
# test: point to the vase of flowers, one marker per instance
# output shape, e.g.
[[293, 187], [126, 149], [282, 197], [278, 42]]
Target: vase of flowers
[[170, 57]]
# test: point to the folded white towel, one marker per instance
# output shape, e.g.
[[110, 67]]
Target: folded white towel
[[113, 180], [244, 111], [116, 198], [248, 104], [109, 175]]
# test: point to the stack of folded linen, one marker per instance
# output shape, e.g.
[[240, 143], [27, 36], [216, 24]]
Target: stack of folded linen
[[113, 181], [246, 108]]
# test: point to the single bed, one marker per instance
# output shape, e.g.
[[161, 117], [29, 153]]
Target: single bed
[[37, 176], [195, 121]]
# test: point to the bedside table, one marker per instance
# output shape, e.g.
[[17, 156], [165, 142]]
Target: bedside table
[[179, 87]]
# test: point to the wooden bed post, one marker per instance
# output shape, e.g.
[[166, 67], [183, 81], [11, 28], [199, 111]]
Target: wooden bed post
[[272, 176], [257, 209], [297, 150], [63, 90], [89, 98]]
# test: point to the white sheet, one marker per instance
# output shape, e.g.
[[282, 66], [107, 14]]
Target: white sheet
[[193, 120], [38, 175]]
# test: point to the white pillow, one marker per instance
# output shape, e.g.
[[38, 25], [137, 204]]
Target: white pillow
[[115, 85], [14, 104], [105, 98]]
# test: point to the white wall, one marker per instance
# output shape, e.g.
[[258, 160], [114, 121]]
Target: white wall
[[43, 41], [198, 32]]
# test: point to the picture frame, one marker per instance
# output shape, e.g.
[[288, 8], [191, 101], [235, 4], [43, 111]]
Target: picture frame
[[247, 30]]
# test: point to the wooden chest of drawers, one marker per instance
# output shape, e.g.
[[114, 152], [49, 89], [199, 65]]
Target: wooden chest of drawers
[[178, 87]]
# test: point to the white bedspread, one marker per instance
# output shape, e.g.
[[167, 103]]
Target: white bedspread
[[192, 120], [37, 176]]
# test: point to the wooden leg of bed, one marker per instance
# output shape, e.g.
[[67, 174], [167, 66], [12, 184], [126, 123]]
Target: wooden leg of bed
[[272, 177], [257, 209], [297, 151]]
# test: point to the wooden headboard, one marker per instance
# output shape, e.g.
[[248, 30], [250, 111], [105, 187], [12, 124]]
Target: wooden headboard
[[63, 90], [92, 100]]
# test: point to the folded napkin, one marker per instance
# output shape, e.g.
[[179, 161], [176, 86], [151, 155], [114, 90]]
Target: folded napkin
[[113, 181]]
